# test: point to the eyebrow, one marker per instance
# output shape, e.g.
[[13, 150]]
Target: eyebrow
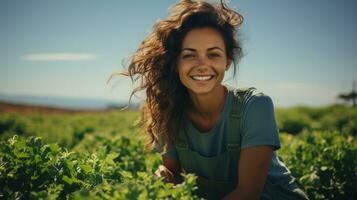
[[209, 49]]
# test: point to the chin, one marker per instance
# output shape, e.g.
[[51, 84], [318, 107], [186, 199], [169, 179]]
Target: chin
[[201, 91]]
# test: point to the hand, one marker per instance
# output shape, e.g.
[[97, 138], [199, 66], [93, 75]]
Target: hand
[[162, 171]]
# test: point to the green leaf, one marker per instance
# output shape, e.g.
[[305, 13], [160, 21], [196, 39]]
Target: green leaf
[[22, 155], [70, 167], [324, 168], [54, 148], [67, 180], [126, 174], [86, 168]]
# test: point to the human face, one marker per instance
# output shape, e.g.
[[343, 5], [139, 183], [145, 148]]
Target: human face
[[202, 60]]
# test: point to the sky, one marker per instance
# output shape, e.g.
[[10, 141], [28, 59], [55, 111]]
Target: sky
[[298, 52]]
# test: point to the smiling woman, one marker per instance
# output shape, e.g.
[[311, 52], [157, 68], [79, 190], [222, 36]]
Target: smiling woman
[[226, 136]]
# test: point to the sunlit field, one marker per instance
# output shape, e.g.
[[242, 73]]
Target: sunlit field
[[101, 155]]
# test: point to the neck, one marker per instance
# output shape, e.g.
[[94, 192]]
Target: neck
[[208, 105]]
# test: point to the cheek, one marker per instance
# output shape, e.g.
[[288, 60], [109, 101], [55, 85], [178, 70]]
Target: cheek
[[183, 78], [221, 62], [182, 69], [222, 66], [180, 72]]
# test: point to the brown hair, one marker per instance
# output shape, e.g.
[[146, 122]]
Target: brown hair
[[154, 64]]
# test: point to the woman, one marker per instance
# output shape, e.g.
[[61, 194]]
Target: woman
[[226, 136]]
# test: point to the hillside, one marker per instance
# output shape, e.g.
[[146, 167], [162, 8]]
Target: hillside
[[28, 109]]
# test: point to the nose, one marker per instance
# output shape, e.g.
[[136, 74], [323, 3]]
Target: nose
[[202, 61], [201, 69], [202, 64]]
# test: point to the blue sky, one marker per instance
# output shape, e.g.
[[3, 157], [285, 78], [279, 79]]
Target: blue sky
[[297, 52]]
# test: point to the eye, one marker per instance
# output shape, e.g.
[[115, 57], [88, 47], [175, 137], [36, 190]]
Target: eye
[[188, 56], [214, 55]]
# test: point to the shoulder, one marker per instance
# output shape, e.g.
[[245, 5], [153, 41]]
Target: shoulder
[[258, 125], [252, 97], [256, 106], [258, 101]]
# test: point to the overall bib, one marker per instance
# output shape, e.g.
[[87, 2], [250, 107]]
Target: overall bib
[[217, 175]]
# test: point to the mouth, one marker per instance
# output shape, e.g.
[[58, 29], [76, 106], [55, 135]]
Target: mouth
[[202, 78]]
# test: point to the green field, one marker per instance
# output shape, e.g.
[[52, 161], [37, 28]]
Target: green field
[[101, 155]]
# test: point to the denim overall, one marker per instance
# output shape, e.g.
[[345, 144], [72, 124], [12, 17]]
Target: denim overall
[[217, 175]]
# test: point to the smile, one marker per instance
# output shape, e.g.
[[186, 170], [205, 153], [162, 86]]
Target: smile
[[202, 78]]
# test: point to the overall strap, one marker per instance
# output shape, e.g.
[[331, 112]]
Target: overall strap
[[234, 135]]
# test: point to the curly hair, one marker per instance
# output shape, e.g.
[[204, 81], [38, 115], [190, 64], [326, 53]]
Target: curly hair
[[155, 65]]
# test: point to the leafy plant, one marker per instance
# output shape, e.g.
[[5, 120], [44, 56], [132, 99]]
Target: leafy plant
[[325, 164]]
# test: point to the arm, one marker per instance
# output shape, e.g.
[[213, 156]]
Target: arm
[[253, 168]]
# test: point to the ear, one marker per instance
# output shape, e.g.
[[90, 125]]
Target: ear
[[229, 62]]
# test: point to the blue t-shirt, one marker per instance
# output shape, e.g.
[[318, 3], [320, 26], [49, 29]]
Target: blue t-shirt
[[257, 127]]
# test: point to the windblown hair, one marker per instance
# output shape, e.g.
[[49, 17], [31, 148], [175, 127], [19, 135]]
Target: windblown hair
[[155, 64]]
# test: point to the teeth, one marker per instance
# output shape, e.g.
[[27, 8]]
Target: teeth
[[202, 78]]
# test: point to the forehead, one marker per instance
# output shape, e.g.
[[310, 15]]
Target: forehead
[[203, 38]]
